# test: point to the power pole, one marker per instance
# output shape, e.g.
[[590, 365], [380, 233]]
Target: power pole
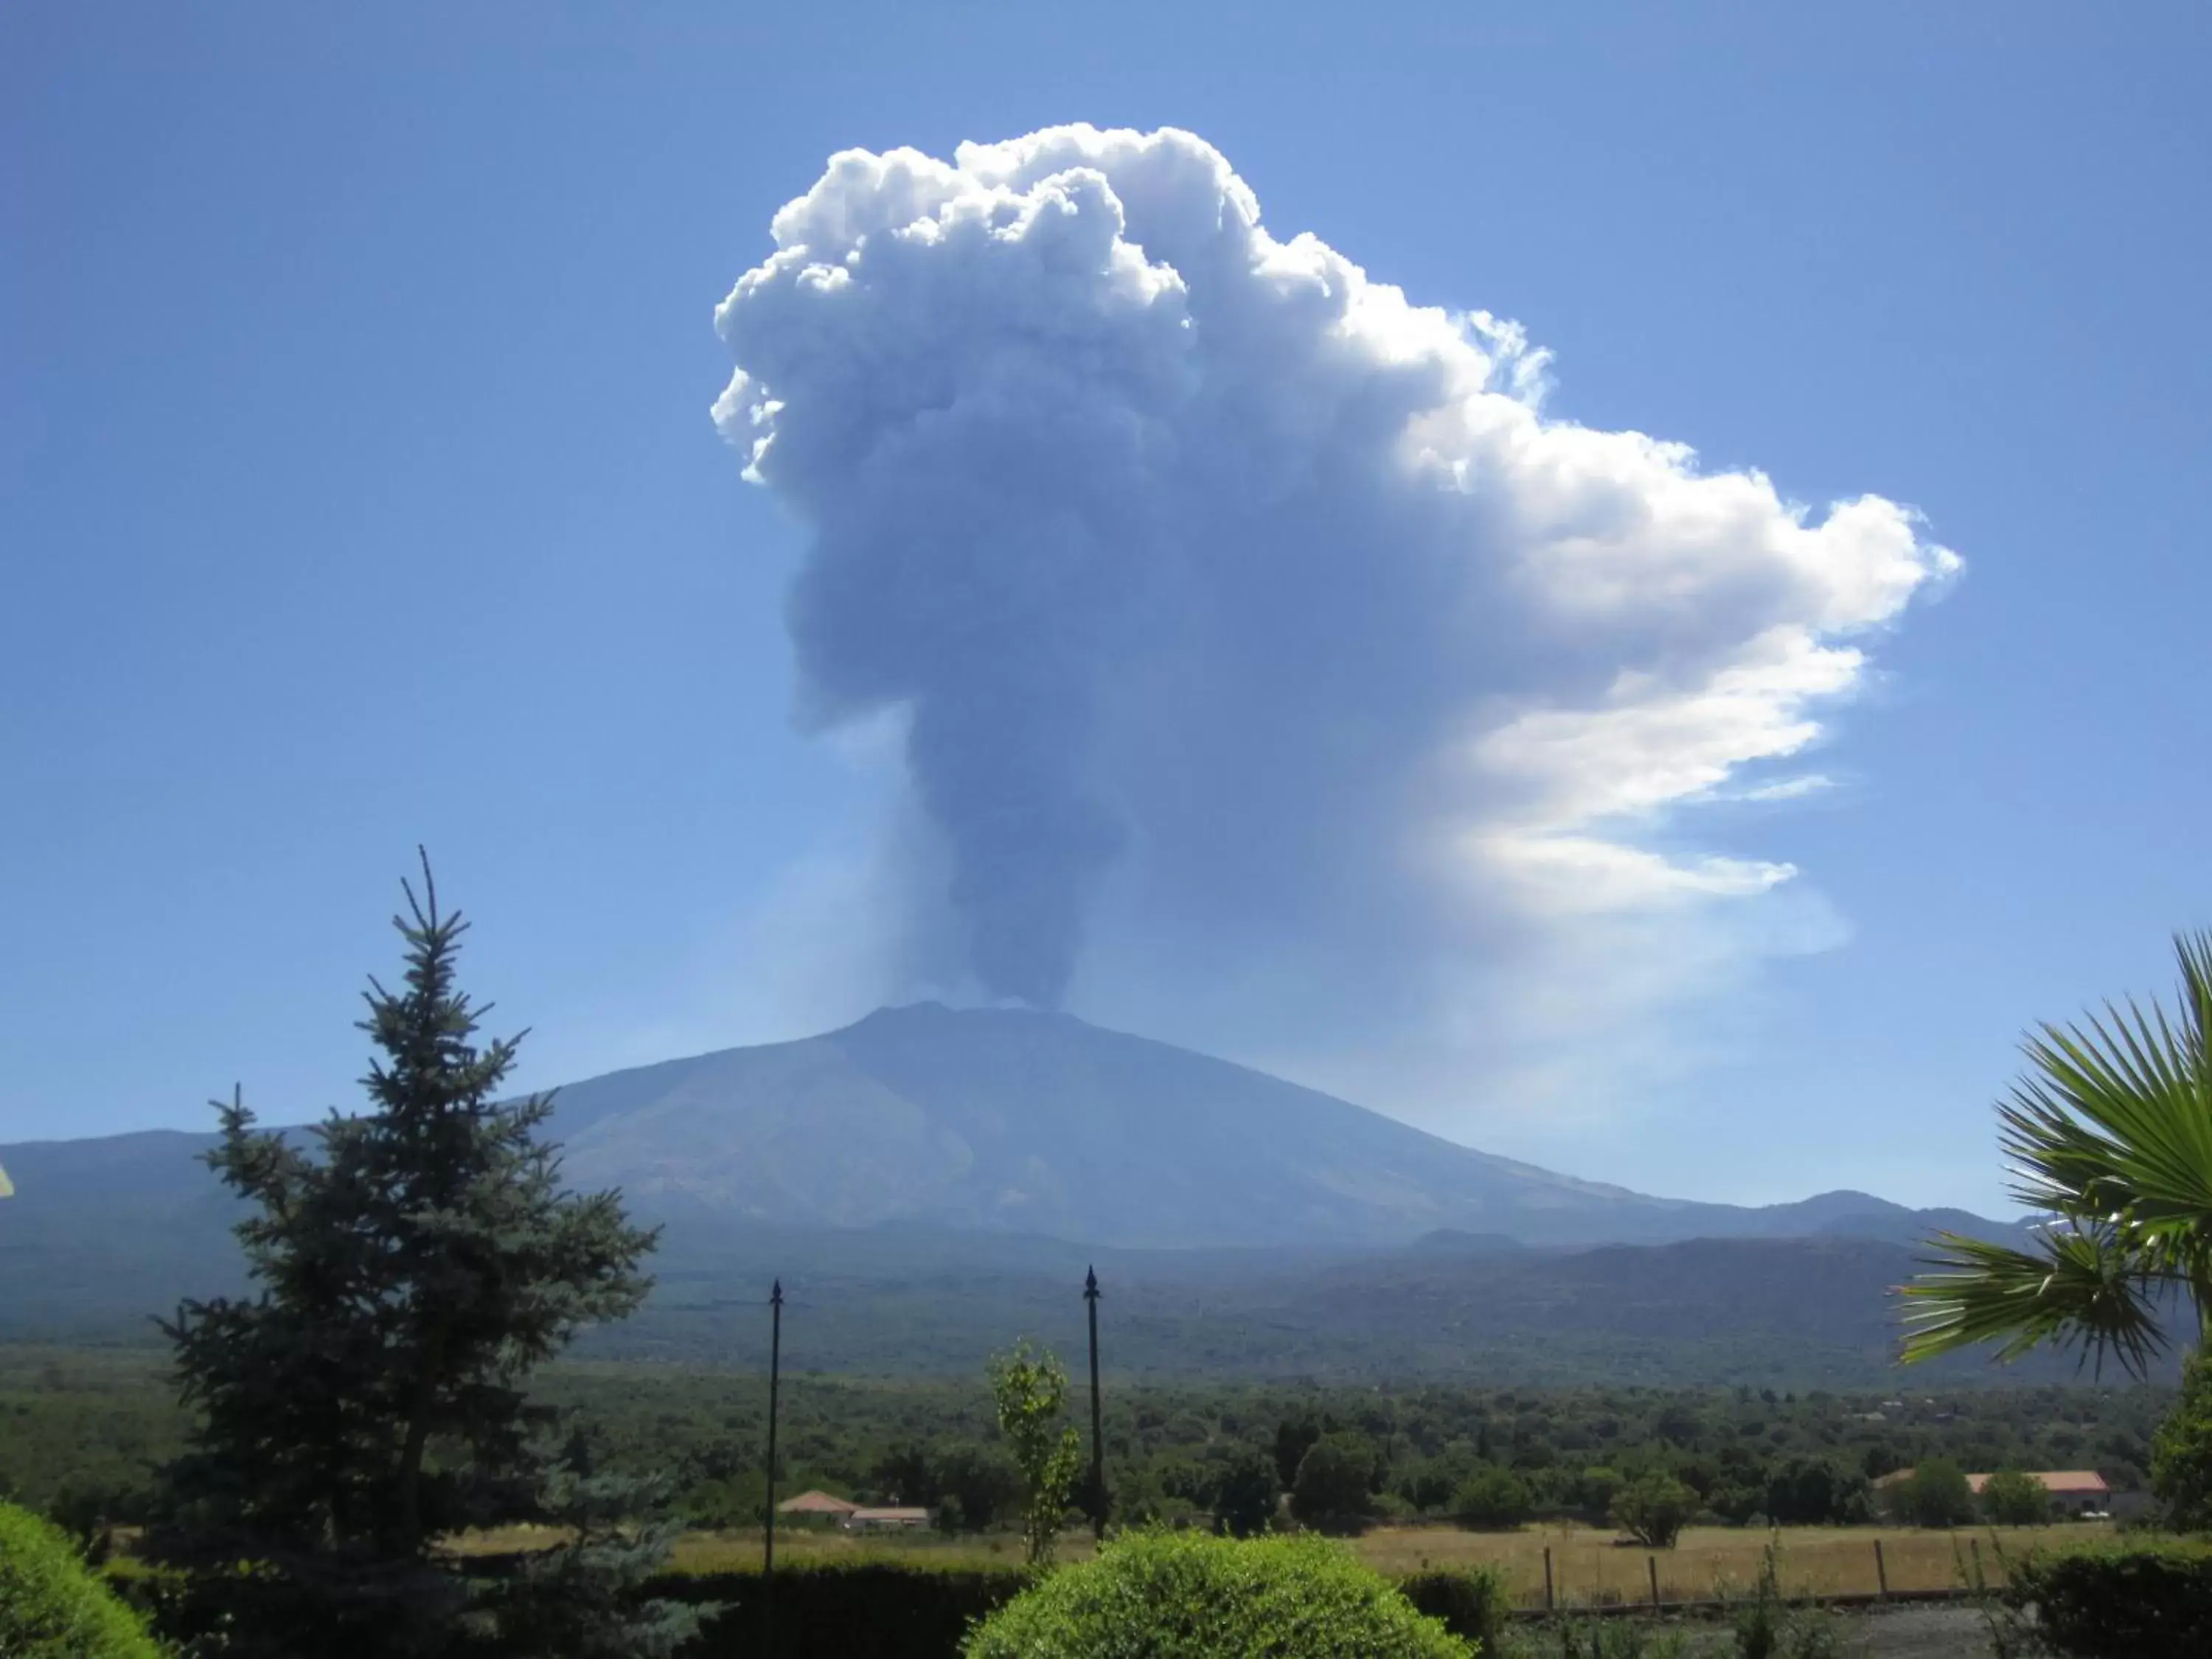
[[768, 1535], [1098, 1442]]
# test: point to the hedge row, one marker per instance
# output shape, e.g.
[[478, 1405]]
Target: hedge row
[[870, 1610], [881, 1610], [2127, 1601]]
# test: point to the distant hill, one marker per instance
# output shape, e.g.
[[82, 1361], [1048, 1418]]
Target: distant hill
[[975, 1139], [1019, 1122]]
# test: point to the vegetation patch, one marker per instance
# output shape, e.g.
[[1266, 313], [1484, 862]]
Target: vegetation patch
[[52, 1606], [1185, 1595], [2126, 1602]]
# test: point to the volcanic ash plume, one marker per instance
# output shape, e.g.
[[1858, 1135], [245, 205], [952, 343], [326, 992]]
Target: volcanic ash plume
[[1223, 591]]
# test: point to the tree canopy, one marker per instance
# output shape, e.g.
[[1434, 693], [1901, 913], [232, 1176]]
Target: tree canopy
[[413, 1263]]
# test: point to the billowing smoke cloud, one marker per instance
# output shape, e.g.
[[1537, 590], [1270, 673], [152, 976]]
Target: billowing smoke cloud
[[1233, 603]]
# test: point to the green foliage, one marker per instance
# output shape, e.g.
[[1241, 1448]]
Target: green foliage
[[89, 1421], [2181, 1452], [1808, 1492], [1293, 1440], [2139, 1602], [1029, 1390], [1936, 1494], [1593, 1638], [370, 1399], [2012, 1498], [1767, 1627], [1245, 1495], [1492, 1497], [52, 1606], [969, 1487], [1334, 1487], [854, 1610], [1599, 1484], [1472, 1602], [2111, 1132], [1187, 1595], [1654, 1509]]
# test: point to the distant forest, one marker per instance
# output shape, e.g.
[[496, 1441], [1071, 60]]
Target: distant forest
[[81, 1429]]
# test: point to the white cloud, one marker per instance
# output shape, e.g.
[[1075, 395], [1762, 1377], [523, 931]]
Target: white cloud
[[1269, 657]]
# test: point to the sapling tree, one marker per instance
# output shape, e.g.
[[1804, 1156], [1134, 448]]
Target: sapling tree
[[1031, 1390]]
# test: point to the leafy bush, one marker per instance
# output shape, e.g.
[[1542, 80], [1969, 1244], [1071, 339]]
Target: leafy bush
[[2139, 1601], [1596, 1488], [2010, 1499], [1472, 1602], [1936, 1494], [1185, 1595], [1813, 1491], [52, 1606], [1492, 1497], [1332, 1485], [2181, 1452], [1654, 1509], [1245, 1494], [866, 1610]]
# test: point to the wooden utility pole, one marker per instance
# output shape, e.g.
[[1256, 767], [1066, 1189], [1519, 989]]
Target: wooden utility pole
[[1097, 1444], [767, 1534]]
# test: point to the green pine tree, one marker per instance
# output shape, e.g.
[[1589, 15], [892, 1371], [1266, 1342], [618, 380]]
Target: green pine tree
[[413, 1263]]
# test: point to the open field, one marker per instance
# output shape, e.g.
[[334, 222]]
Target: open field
[[1589, 1565]]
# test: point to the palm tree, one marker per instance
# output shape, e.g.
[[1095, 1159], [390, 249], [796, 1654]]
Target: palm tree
[[2110, 1135]]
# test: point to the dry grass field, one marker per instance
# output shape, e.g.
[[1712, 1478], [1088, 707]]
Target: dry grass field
[[1589, 1565]]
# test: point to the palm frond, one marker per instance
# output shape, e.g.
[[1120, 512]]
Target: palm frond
[[2115, 1116], [2085, 1287]]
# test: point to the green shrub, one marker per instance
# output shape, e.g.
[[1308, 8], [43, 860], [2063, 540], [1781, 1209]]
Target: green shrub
[[1185, 1595], [1471, 1603], [2010, 1499], [1654, 1508], [1492, 1497], [1936, 1494], [1245, 1494], [861, 1610], [52, 1606], [1334, 1486], [2181, 1453], [2135, 1602]]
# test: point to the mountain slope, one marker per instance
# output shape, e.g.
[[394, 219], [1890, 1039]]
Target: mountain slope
[[1035, 1122], [997, 1122]]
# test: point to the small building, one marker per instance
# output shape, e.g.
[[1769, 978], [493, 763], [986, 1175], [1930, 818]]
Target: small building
[[2073, 1491], [872, 1520], [816, 1503]]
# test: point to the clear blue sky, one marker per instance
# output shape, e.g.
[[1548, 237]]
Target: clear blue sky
[[357, 487]]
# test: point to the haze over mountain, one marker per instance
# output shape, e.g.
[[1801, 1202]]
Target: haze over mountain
[[1008, 1121], [1011, 1119], [928, 1181]]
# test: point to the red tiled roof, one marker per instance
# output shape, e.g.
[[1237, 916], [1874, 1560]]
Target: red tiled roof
[[815, 1502], [2064, 1483]]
